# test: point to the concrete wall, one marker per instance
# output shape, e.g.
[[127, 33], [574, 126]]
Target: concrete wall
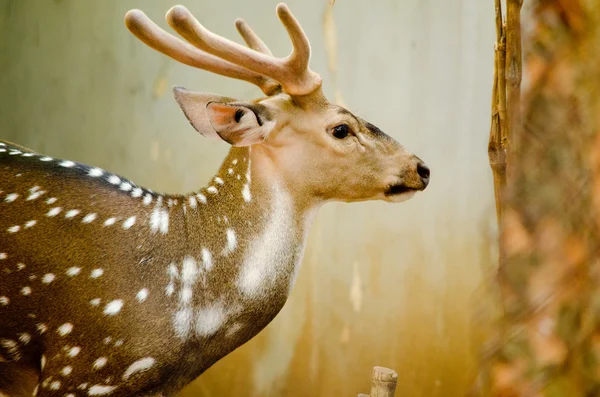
[[381, 284]]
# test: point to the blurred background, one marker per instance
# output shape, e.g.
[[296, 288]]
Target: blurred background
[[381, 284]]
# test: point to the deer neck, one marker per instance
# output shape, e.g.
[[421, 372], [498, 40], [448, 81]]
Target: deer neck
[[244, 239]]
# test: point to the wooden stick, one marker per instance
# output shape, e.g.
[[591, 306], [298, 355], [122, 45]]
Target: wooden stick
[[383, 382], [499, 130], [513, 70]]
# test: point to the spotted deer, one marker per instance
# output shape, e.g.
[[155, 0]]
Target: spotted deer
[[111, 289]]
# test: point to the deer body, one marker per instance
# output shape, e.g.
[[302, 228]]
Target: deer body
[[169, 298], [110, 289]]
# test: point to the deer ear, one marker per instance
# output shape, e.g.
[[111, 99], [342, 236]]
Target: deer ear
[[219, 117], [193, 105], [240, 124]]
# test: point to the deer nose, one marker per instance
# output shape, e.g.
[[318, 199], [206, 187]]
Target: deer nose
[[423, 172]]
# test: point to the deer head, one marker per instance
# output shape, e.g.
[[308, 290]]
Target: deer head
[[319, 150]]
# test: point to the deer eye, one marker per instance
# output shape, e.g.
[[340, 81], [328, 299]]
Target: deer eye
[[341, 131]]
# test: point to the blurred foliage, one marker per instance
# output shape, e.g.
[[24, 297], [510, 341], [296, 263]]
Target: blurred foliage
[[548, 339]]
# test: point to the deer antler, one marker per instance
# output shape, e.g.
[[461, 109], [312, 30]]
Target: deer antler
[[152, 35], [220, 55]]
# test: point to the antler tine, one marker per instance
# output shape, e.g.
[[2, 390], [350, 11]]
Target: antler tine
[[251, 38], [254, 42], [299, 58], [152, 35], [292, 72]]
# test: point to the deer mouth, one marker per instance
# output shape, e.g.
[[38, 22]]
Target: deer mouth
[[395, 190]]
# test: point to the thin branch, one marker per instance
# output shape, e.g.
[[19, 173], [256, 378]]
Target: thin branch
[[498, 130], [514, 69]]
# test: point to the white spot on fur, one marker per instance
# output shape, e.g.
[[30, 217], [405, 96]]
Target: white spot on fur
[[231, 241], [147, 199], [183, 321], [212, 189], [48, 278], [30, 223], [96, 273], [129, 222], [172, 271], [209, 319], [20, 266], [51, 200], [126, 186], [201, 198], [43, 362], [54, 211], [115, 180], [65, 329], [95, 172], [46, 158], [189, 275], [186, 295], [192, 201], [4, 300], [14, 229], [159, 220], [14, 152], [95, 302], [173, 274], [99, 363], [234, 162], [73, 271], [3, 255], [42, 328], [89, 218], [230, 171], [11, 197], [110, 221], [25, 338], [66, 371], [55, 385], [139, 366], [66, 163], [219, 181], [142, 295], [248, 178], [28, 154], [119, 343], [101, 390], [246, 193], [35, 195], [74, 351], [137, 192], [189, 270], [26, 291], [206, 259], [113, 307], [11, 347], [233, 329], [71, 214]]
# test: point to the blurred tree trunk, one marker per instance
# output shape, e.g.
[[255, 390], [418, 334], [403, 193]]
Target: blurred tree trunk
[[549, 276]]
